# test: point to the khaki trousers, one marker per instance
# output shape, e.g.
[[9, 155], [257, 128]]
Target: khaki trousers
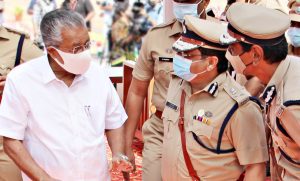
[[153, 133], [8, 170]]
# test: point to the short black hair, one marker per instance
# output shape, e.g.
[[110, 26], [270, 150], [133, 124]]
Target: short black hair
[[220, 54], [272, 53]]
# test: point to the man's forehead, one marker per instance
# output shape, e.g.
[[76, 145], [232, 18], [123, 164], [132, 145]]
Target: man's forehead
[[75, 36]]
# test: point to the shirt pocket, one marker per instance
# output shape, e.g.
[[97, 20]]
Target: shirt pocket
[[170, 121], [201, 129], [162, 72]]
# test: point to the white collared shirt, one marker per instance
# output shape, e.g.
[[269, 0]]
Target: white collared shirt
[[61, 127]]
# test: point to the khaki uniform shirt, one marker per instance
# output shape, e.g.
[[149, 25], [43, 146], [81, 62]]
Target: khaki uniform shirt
[[155, 60], [9, 40], [245, 131], [286, 80]]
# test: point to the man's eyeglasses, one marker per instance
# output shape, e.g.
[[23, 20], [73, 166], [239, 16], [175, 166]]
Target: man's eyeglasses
[[81, 48]]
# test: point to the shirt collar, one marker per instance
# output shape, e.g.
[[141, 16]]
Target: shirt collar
[[271, 89], [4, 33], [176, 28], [48, 74], [212, 88]]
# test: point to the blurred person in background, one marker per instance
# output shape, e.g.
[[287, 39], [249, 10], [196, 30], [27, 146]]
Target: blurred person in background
[[30, 7], [138, 22], [86, 9], [154, 10], [120, 31], [294, 31], [69, 4], [40, 8], [120, 6], [107, 13]]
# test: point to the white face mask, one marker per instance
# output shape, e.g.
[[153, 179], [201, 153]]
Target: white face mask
[[236, 62], [74, 63], [182, 68], [294, 36], [182, 9]]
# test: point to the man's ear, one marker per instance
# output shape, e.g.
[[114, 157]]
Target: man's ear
[[257, 54], [54, 54], [212, 62]]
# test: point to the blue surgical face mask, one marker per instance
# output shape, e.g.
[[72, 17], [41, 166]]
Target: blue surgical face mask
[[182, 9], [294, 36], [182, 68]]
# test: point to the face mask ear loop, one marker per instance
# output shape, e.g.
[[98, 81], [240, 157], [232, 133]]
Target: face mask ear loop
[[202, 9]]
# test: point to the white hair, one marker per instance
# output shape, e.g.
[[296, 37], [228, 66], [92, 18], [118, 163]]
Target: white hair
[[53, 22]]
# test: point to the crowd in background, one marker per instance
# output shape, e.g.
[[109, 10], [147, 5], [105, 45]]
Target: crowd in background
[[125, 22]]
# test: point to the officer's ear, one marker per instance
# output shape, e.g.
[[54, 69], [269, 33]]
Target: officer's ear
[[257, 54], [212, 62]]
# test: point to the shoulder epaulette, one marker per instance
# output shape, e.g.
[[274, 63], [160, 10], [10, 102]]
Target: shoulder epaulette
[[237, 93], [17, 32], [163, 25]]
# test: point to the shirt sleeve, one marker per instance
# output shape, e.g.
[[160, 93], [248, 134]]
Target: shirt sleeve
[[247, 132], [115, 113], [13, 112], [30, 51], [144, 66]]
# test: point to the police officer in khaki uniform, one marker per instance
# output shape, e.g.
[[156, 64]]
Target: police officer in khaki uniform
[[259, 46], [213, 129], [294, 30], [16, 48], [155, 61]]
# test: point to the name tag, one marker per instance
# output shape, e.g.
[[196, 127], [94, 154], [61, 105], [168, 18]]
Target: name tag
[[171, 105], [165, 59]]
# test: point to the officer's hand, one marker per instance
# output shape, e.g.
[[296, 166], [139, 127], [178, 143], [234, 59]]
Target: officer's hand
[[121, 163], [2, 81]]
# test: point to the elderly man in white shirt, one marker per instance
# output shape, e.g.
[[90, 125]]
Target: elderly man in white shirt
[[56, 109]]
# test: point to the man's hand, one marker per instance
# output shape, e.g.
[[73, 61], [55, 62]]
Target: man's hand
[[2, 81], [129, 153], [120, 163], [131, 159]]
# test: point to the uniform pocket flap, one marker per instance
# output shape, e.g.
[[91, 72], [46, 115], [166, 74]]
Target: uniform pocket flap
[[170, 115], [201, 129]]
